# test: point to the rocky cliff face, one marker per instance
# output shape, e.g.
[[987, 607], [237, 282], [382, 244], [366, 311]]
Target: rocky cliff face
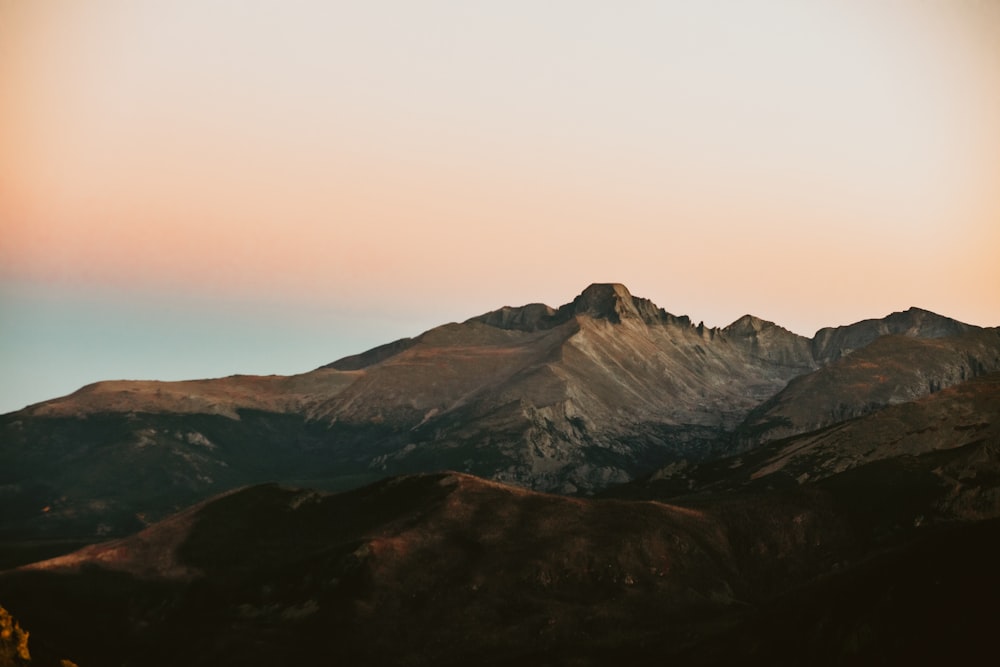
[[605, 301], [765, 340], [940, 454], [832, 343], [568, 399], [892, 369]]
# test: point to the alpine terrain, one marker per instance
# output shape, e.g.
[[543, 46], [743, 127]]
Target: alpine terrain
[[594, 484]]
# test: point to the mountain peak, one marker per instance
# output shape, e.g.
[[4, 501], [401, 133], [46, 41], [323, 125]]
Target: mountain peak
[[831, 343], [748, 323], [602, 288], [605, 301], [613, 302], [767, 340], [610, 301], [926, 323]]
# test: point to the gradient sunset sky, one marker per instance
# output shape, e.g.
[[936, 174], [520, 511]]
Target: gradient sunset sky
[[200, 188]]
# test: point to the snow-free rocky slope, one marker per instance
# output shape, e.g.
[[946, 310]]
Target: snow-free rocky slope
[[599, 391], [833, 500], [871, 542]]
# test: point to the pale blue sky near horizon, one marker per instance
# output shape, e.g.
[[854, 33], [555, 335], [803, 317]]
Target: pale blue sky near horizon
[[55, 341]]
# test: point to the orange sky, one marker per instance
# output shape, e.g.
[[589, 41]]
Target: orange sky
[[812, 163]]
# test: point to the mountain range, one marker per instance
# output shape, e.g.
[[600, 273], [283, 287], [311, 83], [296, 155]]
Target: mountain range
[[597, 482]]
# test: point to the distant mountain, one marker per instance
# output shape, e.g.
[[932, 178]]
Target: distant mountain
[[949, 441], [871, 541], [783, 500], [830, 344], [566, 399], [574, 399], [890, 370]]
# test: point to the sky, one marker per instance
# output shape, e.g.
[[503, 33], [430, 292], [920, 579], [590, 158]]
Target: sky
[[198, 188]]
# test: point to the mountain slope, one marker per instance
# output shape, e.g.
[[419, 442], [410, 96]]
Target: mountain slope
[[570, 399], [595, 392], [832, 343], [939, 456], [451, 567], [753, 539], [457, 569], [573, 399], [890, 370]]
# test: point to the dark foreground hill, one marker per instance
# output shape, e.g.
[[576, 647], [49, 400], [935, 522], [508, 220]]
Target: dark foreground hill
[[575, 399], [869, 541], [448, 569]]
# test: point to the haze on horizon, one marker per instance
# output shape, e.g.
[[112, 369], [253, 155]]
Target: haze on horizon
[[193, 189]]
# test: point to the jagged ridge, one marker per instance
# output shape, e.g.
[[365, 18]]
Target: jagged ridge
[[595, 392]]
